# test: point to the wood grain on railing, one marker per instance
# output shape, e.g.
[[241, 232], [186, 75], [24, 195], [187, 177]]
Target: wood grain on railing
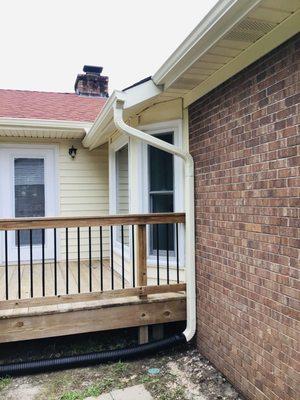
[[141, 291], [107, 220], [142, 255]]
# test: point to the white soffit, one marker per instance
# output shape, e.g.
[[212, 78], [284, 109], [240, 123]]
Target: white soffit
[[239, 33], [42, 129]]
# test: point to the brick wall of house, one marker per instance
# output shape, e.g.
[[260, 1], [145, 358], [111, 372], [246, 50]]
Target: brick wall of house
[[245, 140]]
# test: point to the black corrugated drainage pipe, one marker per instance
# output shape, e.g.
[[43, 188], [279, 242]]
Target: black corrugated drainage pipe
[[38, 366]]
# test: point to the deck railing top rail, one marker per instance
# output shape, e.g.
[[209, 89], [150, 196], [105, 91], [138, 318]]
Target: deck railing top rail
[[107, 220]]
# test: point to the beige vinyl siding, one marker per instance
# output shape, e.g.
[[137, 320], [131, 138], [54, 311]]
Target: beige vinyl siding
[[83, 184], [122, 180], [122, 190]]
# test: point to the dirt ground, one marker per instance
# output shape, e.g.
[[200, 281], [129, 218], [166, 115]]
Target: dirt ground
[[182, 373]]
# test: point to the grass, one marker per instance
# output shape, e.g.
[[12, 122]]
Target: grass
[[4, 382], [173, 394], [91, 391]]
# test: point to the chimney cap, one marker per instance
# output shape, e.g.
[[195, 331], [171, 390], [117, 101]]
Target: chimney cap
[[92, 69]]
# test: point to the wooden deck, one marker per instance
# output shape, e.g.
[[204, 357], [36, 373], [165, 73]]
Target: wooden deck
[[32, 314], [61, 279]]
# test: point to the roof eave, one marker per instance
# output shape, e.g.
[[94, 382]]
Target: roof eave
[[101, 129], [45, 124], [222, 17]]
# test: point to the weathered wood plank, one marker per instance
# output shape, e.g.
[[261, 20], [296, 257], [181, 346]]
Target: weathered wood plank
[[68, 222], [123, 315], [142, 256], [84, 297]]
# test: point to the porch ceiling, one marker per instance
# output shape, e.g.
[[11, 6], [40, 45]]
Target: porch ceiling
[[190, 72]]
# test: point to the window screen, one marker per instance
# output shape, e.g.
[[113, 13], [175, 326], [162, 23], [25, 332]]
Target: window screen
[[29, 194]]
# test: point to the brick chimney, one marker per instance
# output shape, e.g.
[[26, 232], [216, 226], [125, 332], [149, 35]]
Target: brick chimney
[[91, 83]]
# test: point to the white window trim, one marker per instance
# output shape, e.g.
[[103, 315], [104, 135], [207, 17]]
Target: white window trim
[[32, 151], [174, 126]]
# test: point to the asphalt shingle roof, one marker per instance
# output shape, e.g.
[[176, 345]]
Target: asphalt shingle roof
[[49, 105]]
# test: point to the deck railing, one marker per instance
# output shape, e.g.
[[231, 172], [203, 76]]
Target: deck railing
[[48, 257]]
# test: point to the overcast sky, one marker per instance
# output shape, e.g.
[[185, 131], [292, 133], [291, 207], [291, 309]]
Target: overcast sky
[[45, 43]]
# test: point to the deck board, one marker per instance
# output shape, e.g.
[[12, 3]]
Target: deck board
[[61, 279]]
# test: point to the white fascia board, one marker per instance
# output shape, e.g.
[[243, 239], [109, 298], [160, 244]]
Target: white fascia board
[[133, 96], [222, 17], [140, 93], [44, 124], [101, 122]]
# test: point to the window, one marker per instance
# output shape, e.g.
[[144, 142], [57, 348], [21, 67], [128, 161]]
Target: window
[[161, 192], [29, 194], [122, 192]]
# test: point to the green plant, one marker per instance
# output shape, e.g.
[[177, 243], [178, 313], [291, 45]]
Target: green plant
[[120, 367], [4, 382], [71, 396], [173, 394], [90, 391]]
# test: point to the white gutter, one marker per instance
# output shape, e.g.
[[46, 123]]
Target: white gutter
[[118, 108]]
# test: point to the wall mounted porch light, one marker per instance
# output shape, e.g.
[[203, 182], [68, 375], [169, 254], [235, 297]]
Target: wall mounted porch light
[[72, 152]]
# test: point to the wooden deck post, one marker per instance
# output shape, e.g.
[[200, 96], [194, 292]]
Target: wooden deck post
[[142, 256], [142, 273]]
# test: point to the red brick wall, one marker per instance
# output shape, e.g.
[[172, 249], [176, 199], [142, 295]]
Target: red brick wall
[[245, 140]]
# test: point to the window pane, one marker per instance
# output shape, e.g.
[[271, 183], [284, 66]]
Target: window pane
[[29, 194], [162, 203], [122, 195], [161, 166], [161, 177]]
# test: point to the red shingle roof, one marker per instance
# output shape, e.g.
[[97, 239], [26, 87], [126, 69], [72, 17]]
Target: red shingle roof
[[49, 105]]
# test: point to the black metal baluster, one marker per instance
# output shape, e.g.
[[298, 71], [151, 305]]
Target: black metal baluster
[[101, 259], [6, 265], [123, 264], [67, 260], [133, 256], [19, 264], [111, 258], [43, 262], [31, 263], [157, 253], [168, 264], [55, 263], [78, 258], [90, 258], [177, 253]]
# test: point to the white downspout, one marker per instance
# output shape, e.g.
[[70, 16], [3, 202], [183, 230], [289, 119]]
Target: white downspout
[[189, 207]]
